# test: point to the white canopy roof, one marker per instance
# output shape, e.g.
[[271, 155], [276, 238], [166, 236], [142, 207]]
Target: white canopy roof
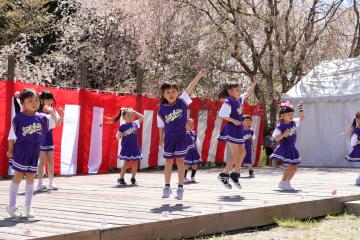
[[329, 81]]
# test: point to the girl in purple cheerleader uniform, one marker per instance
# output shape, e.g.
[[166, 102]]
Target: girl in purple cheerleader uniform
[[25, 135], [249, 137], [192, 158], [47, 145], [354, 156], [172, 116], [130, 150], [285, 135], [233, 131]]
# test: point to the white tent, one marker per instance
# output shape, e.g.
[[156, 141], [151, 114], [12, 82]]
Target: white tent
[[331, 96]]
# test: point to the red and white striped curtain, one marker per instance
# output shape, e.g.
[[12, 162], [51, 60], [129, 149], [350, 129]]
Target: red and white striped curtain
[[85, 142]]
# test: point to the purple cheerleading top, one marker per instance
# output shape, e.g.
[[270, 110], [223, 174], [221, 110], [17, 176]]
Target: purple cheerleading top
[[286, 150], [30, 128], [130, 149], [173, 117], [236, 106]]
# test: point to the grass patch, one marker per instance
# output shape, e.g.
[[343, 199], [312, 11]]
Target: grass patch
[[296, 223], [262, 161]]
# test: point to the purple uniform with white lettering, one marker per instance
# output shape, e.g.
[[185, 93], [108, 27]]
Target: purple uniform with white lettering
[[231, 132], [248, 137], [354, 156], [174, 118], [130, 150], [286, 150], [29, 130], [47, 142], [192, 156]]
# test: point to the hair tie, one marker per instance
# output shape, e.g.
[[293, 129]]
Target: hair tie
[[286, 104]]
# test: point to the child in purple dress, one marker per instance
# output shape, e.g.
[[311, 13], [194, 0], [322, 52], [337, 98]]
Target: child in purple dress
[[192, 158], [172, 116], [285, 135], [249, 137], [130, 150], [47, 145], [354, 156], [233, 131], [25, 136]]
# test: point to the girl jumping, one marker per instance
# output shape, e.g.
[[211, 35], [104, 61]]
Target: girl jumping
[[233, 131]]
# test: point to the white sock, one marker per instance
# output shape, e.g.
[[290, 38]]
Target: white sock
[[29, 191], [14, 188], [50, 182], [40, 182]]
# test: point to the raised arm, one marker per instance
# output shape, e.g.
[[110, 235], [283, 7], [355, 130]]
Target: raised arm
[[301, 111], [139, 116], [60, 117], [250, 89], [194, 82], [52, 113]]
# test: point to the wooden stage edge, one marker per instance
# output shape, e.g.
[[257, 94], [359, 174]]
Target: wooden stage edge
[[215, 223]]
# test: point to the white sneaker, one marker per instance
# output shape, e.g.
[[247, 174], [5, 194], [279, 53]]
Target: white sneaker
[[186, 180], [14, 212], [41, 188], [166, 192], [290, 188], [52, 187], [179, 193], [28, 213], [357, 182], [284, 185]]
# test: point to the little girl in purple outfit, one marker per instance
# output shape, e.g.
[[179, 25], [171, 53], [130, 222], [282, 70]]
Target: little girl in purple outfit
[[172, 116], [28, 128]]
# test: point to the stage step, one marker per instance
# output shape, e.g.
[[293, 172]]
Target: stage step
[[353, 207]]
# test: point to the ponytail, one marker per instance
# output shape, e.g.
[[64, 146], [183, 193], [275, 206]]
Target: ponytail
[[350, 129], [122, 113], [224, 91], [117, 117]]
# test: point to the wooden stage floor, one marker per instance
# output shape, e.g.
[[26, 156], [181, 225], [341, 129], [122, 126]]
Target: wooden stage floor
[[93, 207]]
